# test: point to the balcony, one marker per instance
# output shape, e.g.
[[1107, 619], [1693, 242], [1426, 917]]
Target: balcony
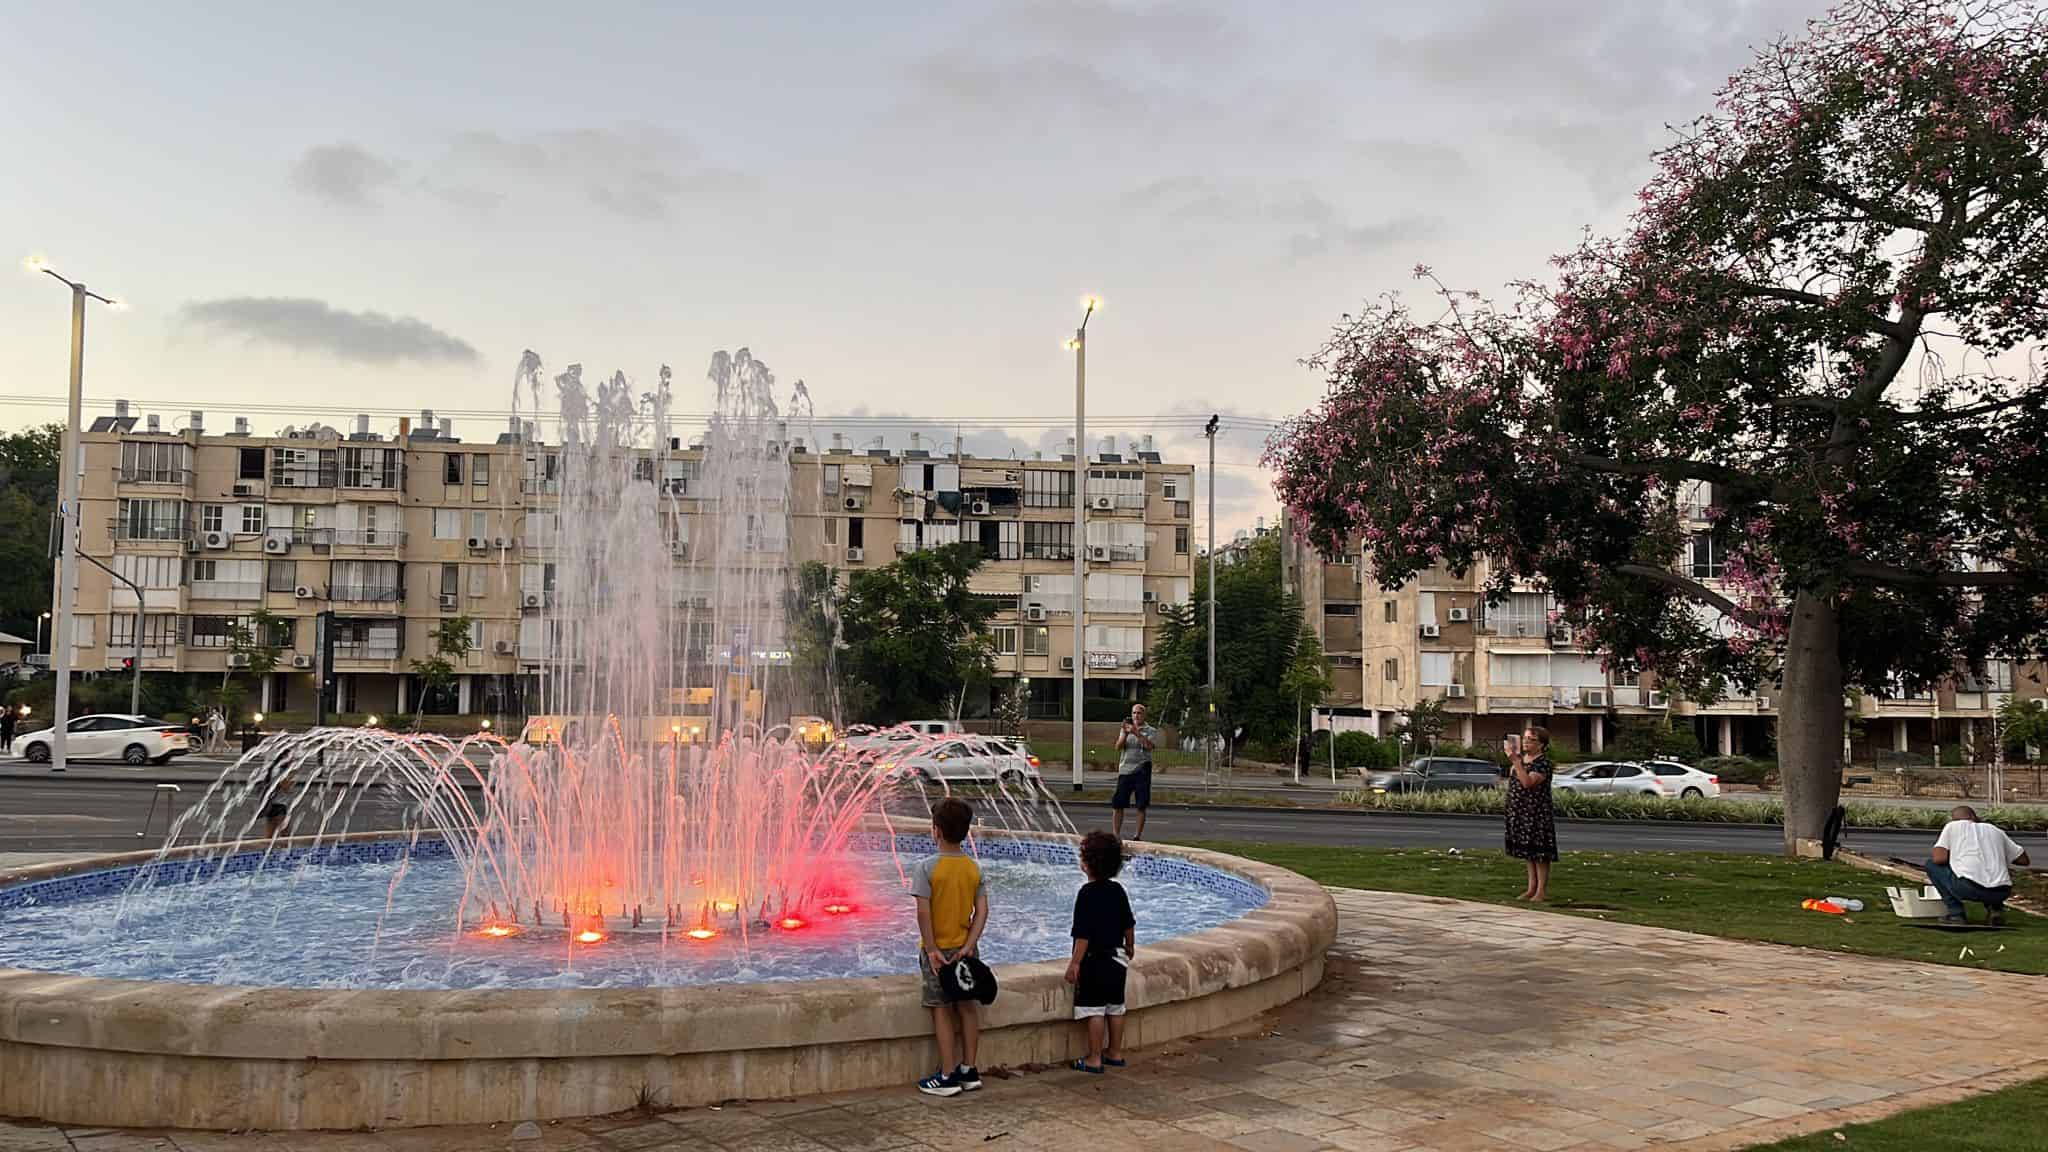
[[295, 476], [137, 529], [362, 650], [1519, 627], [382, 539], [175, 477], [227, 589], [1105, 607], [365, 593]]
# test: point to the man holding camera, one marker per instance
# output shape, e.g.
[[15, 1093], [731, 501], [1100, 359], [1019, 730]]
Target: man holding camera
[[1133, 770]]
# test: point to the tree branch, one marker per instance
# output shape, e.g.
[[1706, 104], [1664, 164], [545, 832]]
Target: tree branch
[[1872, 322], [1880, 213], [1685, 469], [1939, 578], [1688, 587]]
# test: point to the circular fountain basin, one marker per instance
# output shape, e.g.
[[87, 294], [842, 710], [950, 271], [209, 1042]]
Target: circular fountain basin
[[291, 1021]]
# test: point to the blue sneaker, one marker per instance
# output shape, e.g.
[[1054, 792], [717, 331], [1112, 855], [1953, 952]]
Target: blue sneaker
[[940, 1085], [969, 1078]]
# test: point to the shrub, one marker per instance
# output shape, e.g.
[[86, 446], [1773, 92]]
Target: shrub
[[1654, 740], [1741, 770]]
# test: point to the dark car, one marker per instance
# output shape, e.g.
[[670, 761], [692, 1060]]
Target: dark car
[[1437, 774]]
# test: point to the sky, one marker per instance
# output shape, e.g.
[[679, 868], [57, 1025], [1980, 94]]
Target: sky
[[321, 210]]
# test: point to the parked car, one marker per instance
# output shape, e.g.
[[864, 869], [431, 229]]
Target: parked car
[[131, 739], [1675, 779], [970, 759], [1437, 774]]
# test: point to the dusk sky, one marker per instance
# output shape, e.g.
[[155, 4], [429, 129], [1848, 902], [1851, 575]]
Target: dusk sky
[[379, 206]]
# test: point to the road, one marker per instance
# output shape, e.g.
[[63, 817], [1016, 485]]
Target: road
[[47, 814]]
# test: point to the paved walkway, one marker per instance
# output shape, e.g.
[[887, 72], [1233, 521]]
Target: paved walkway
[[1446, 1026]]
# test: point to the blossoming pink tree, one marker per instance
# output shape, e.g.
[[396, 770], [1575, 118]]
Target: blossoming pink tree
[[1827, 309]]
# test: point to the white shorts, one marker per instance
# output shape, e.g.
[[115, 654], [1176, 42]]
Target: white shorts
[[1081, 1013]]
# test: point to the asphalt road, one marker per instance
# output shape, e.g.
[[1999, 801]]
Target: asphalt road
[[45, 814]]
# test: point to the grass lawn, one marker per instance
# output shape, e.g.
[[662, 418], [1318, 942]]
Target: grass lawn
[[1740, 897], [2011, 1120]]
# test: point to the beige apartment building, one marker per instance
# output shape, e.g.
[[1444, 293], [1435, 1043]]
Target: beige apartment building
[[384, 535], [1497, 667]]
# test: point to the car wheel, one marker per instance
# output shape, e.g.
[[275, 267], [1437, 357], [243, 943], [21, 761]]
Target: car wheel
[[135, 754], [1691, 794], [37, 753], [1011, 778]]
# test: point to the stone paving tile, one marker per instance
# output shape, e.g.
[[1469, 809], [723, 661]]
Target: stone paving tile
[[1442, 1026]]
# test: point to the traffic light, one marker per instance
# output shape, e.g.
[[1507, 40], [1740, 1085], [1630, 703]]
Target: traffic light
[[127, 663]]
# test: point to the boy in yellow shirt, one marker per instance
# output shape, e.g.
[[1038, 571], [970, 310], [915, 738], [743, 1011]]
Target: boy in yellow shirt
[[952, 911]]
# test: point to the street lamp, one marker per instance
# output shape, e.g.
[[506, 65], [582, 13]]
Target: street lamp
[[1079, 344], [70, 463], [39, 632]]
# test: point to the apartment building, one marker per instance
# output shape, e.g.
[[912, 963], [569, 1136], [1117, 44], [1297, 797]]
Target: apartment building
[[379, 536], [1497, 667]]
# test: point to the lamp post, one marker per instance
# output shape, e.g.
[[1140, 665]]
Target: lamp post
[[1209, 699], [69, 463], [1080, 346], [39, 631]]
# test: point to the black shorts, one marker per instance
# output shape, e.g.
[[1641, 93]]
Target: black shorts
[[1100, 989], [1133, 785]]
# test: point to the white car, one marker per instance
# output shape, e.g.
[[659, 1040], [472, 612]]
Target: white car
[[1638, 778], [130, 739], [969, 759]]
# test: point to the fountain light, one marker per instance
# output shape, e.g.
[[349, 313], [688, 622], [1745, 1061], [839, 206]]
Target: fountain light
[[498, 931], [727, 905], [589, 936], [838, 909], [701, 933], [791, 923]]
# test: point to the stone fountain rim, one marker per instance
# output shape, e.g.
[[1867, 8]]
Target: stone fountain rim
[[1295, 926]]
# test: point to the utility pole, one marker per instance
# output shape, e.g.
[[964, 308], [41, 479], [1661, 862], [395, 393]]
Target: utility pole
[[1209, 699], [134, 681], [71, 460], [1080, 346]]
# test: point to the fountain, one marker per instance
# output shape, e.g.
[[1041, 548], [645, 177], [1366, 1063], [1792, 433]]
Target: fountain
[[657, 893]]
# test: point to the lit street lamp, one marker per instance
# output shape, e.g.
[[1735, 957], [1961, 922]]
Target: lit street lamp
[[70, 463], [1079, 344], [39, 631]]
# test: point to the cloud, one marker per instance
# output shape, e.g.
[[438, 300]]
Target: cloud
[[1311, 224], [343, 174], [304, 325], [638, 173]]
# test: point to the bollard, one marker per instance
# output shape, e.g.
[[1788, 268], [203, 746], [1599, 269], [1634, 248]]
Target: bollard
[[170, 809]]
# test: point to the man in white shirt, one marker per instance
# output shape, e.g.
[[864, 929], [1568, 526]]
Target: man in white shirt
[[1973, 861]]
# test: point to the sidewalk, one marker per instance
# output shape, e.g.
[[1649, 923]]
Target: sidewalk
[[1441, 1025]]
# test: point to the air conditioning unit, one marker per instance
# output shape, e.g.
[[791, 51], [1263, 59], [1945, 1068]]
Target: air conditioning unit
[[245, 489], [1594, 697], [676, 486], [855, 555], [1431, 631], [679, 549], [277, 545], [1099, 553], [302, 661], [854, 503], [501, 647], [1066, 663], [477, 543], [501, 543], [447, 601], [1034, 613], [1461, 615], [216, 540], [1657, 700], [1454, 691], [238, 660], [1150, 596], [1562, 634], [303, 592], [529, 600], [1165, 608], [1105, 503], [978, 508]]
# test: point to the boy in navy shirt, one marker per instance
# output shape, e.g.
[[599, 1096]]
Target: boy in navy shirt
[[1105, 936]]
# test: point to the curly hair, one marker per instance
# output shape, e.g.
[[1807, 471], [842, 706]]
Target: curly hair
[[1102, 854], [952, 817]]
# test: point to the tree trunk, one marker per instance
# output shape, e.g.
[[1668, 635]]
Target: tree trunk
[[1810, 721]]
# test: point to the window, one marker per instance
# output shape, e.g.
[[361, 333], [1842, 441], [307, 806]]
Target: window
[[1121, 539], [155, 461], [448, 521], [1709, 557], [1633, 678], [302, 467], [1115, 592], [1435, 669], [252, 519], [451, 468], [151, 520], [147, 571], [375, 468], [212, 632], [1341, 610], [227, 579], [365, 580], [1006, 641], [1626, 771], [1521, 614], [1169, 488], [1392, 610], [831, 480], [203, 570], [211, 517], [1390, 670], [856, 532], [480, 525], [281, 575], [477, 581], [451, 579], [1048, 488], [480, 469], [366, 640], [1180, 540], [160, 634], [832, 530], [1520, 671], [1048, 540], [1037, 640], [249, 464]]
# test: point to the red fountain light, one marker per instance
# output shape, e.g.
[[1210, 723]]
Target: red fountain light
[[839, 909], [792, 923], [589, 936], [701, 932], [498, 931]]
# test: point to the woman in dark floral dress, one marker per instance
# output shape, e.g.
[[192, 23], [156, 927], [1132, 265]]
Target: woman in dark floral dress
[[1532, 822]]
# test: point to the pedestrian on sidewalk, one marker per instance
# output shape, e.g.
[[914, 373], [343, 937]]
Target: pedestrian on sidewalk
[[7, 722], [1532, 820], [1972, 860]]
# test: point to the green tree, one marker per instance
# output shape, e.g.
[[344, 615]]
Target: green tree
[[2024, 724], [28, 501], [811, 610], [1258, 629], [436, 672], [1809, 314], [1422, 724], [913, 636], [256, 645]]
